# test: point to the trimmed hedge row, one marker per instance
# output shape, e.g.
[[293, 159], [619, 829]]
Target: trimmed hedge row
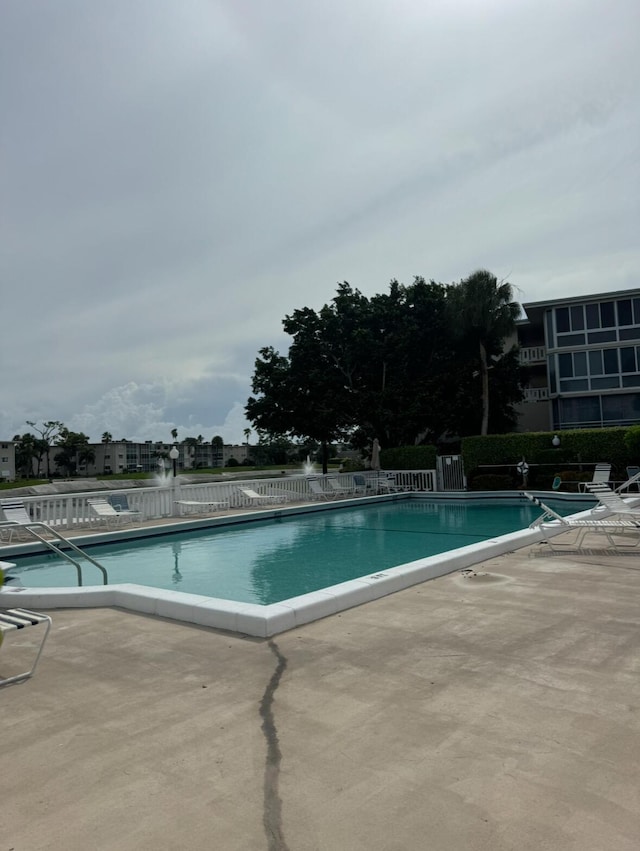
[[578, 445], [409, 458]]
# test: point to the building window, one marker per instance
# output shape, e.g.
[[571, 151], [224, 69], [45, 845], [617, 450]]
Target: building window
[[595, 362], [621, 409], [562, 320], [628, 359], [625, 312], [593, 315]]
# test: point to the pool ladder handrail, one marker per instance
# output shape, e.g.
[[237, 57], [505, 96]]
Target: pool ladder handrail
[[56, 549]]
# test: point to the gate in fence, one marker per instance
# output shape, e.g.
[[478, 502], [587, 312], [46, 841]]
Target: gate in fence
[[450, 473]]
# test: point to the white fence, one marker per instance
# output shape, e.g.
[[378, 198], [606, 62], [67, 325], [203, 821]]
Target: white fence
[[72, 511]]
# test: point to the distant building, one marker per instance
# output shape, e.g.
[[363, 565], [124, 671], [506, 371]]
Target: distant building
[[125, 456], [7, 461], [584, 356]]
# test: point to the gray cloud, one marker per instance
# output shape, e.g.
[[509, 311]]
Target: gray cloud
[[175, 178]]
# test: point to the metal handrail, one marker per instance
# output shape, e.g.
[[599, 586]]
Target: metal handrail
[[56, 549]]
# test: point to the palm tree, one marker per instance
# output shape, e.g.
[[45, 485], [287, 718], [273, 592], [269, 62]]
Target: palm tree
[[107, 437], [484, 313]]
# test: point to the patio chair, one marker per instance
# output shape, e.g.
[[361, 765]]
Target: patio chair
[[12, 512], [106, 513], [386, 484], [608, 498], [254, 498], [601, 473], [318, 492], [120, 502], [551, 521], [633, 478], [14, 619], [359, 484], [339, 489], [198, 506]]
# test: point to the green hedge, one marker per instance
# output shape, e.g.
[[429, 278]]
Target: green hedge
[[589, 446], [409, 458], [632, 442], [492, 482]]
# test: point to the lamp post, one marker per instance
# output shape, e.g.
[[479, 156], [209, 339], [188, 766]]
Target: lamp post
[[173, 454]]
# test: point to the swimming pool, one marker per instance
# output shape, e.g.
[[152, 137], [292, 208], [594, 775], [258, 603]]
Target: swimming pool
[[279, 530], [267, 561]]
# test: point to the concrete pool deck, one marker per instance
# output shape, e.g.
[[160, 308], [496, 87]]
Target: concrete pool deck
[[494, 711]]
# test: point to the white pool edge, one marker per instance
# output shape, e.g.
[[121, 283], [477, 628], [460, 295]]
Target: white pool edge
[[265, 621]]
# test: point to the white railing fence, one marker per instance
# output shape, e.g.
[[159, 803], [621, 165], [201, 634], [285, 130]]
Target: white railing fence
[[72, 511]]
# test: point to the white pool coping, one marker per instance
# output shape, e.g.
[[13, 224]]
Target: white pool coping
[[250, 618]]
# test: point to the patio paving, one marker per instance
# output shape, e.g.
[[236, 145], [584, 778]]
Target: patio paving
[[495, 710]]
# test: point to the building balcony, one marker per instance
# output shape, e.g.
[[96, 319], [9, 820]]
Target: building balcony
[[536, 394], [533, 354]]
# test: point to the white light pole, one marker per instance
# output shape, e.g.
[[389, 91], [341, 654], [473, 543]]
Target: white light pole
[[173, 454]]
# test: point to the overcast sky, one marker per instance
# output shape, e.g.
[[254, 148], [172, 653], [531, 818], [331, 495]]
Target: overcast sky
[[178, 175]]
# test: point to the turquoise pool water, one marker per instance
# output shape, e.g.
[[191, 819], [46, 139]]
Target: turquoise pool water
[[266, 561]]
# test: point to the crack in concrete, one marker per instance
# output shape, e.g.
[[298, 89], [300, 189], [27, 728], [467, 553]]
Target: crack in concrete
[[272, 808]]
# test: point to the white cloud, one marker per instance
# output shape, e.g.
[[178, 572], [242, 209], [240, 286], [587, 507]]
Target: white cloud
[[178, 177]]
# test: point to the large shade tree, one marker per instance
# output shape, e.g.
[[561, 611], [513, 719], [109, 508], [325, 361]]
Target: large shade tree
[[392, 366]]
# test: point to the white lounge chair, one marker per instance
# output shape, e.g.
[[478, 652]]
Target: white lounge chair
[[612, 500], [14, 619], [105, 512], [12, 512], [338, 488], [318, 492], [252, 497], [633, 478], [601, 473], [385, 483], [551, 521], [197, 506]]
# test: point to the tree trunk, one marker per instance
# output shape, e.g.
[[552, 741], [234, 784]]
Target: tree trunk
[[484, 372], [325, 457]]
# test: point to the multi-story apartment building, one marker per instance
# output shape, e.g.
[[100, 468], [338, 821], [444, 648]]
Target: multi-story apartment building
[[129, 457], [7, 461], [584, 358]]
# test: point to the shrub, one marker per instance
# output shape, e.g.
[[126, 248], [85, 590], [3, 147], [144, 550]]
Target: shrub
[[632, 442], [351, 465], [588, 446], [233, 462], [409, 458], [492, 482]]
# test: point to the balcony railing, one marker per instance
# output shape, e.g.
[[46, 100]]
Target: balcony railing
[[534, 354], [536, 394]]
